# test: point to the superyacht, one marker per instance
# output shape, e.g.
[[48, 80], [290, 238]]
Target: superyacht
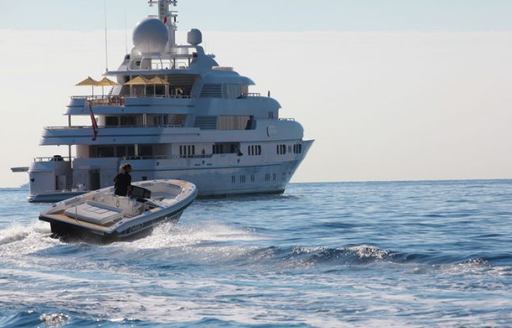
[[172, 112]]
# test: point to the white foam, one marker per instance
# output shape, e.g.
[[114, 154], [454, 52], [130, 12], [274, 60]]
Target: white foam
[[17, 240], [170, 235], [366, 251], [54, 319]]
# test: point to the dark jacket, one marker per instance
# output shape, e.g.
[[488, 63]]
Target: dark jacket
[[122, 183]]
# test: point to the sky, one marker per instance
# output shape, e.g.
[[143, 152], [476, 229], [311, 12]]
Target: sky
[[390, 90]]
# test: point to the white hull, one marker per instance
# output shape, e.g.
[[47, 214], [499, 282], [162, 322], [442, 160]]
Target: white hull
[[54, 197], [173, 112], [210, 181]]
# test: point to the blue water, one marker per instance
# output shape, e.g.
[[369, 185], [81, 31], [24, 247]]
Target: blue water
[[321, 255]]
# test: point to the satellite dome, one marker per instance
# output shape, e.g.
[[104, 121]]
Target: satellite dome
[[150, 36], [194, 37]]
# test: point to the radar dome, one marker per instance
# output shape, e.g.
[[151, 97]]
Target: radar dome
[[194, 37], [150, 36]]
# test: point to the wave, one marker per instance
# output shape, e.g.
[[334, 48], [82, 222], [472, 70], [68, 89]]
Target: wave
[[214, 244]]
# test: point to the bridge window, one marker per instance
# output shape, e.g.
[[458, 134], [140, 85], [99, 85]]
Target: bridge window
[[211, 91], [232, 91]]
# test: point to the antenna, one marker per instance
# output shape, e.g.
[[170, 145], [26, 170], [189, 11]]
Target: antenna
[[106, 37], [167, 16], [125, 31]]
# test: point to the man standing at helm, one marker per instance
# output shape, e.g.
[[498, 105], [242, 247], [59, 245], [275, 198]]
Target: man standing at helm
[[123, 181]]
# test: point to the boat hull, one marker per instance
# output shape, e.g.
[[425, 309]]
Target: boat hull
[[211, 182], [71, 232], [54, 197], [100, 216]]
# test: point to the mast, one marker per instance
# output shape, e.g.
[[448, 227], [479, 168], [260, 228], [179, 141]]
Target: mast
[[168, 16]]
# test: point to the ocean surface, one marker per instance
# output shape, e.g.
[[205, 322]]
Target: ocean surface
[[425, 254]]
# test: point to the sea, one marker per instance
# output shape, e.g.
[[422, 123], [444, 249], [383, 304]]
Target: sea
[[373, 254]]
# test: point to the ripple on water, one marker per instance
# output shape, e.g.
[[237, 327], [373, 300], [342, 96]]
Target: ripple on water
[[323, 255]]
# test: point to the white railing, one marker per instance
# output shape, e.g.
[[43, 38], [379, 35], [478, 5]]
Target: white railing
[[80, 127], [56, 158]]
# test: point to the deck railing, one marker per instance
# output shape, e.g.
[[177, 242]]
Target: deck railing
[[79, 127], [56, 158]]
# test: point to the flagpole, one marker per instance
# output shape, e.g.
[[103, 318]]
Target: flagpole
[[106, 37]]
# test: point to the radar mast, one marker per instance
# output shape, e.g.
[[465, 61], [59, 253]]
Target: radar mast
[[168, 16]]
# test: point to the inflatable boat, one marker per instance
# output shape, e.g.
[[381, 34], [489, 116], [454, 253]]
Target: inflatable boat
[[105, 216]]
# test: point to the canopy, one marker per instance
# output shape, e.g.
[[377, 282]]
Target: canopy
[[158, 81], [106, 82], [89, 81], [137, 81]]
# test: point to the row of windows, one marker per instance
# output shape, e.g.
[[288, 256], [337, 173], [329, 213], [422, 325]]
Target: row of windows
[[254, 150], [226, 148], [187, 151], [281, 149], [268, 177], [120, 151]]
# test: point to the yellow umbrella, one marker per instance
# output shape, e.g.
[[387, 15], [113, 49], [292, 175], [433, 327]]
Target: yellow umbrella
[[89, 81], [105, 83], [137, 81], [157, 81]]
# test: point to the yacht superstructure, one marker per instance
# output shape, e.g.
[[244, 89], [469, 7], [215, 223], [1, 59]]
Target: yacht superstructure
[[172, 113]]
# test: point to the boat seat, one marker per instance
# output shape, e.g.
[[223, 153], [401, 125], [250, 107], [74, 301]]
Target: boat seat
[[94, 212]]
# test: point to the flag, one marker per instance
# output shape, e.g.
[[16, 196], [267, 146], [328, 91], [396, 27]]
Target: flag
[[94, 124]]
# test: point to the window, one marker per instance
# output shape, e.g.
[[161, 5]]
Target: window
[[233, 179], [187, 151], [253, 178], [232, 91], [232, 122], [128, 120], [146, 150], [254, 150], [211, 91], [226, 148], [121, 151], [242, 179], [105, 151], [297, 149], [206, 122], [111, 121], [267, 177], [281, 149]]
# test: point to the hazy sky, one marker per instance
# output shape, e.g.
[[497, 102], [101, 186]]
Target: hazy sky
[[390, 90], [268, 15]]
